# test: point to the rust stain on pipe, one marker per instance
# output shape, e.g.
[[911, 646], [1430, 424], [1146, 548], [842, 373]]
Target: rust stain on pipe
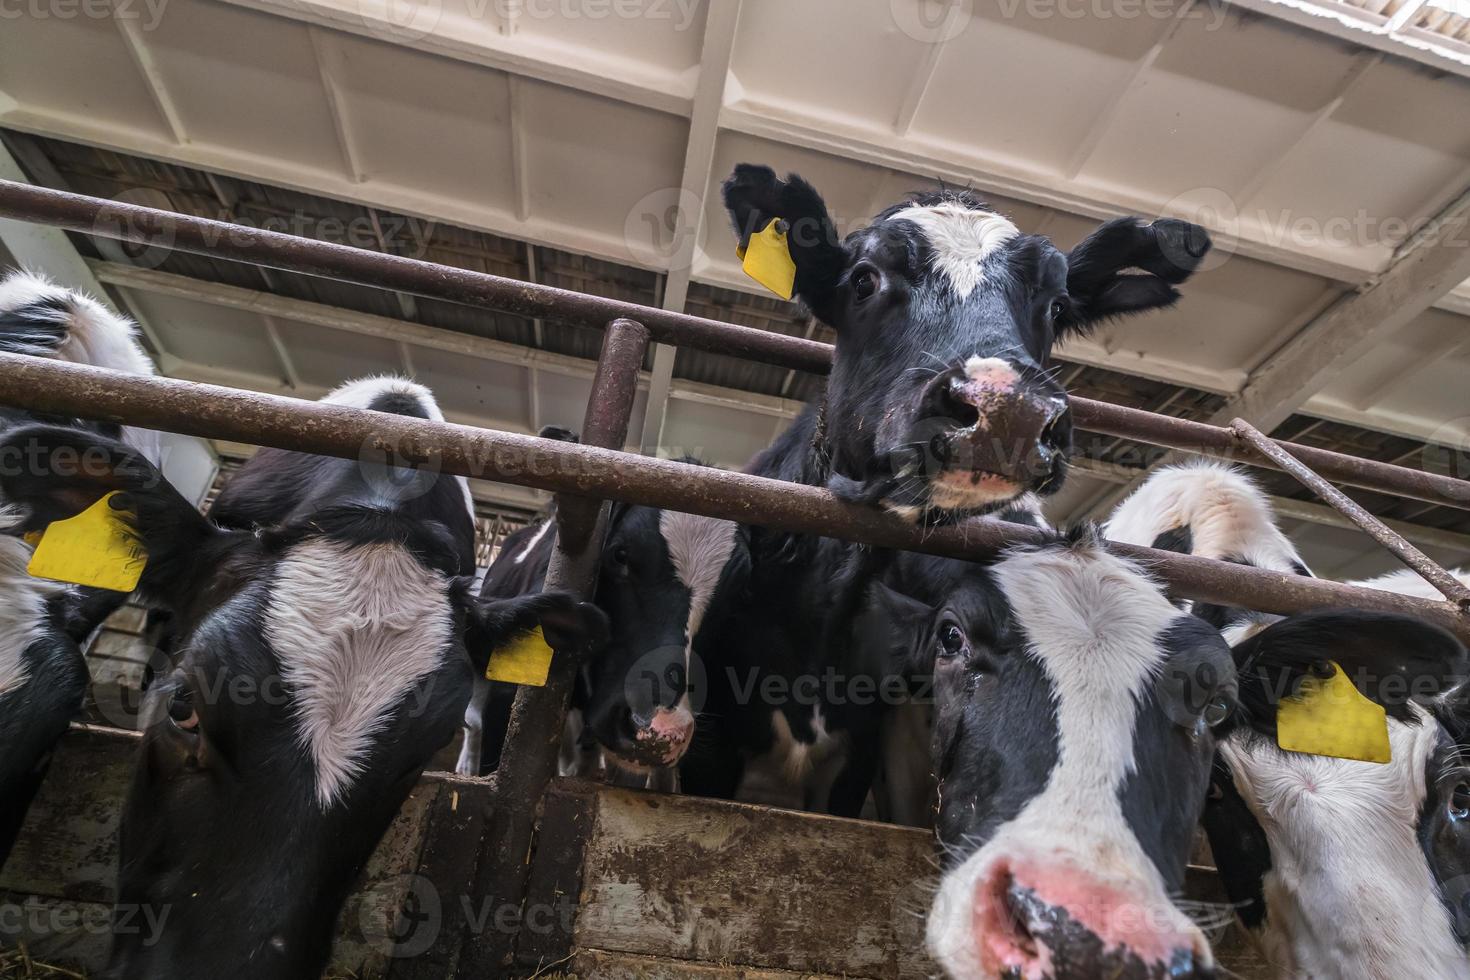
[[215, 412]]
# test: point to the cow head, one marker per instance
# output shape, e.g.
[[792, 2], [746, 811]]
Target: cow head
[[1382, 852], [1072, 744], [661, 571], [324, 663], [940, 399]]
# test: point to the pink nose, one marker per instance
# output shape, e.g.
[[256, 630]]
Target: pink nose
[[1063, 919], [671, 727]]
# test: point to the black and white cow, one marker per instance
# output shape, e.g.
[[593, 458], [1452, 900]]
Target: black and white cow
[[939, 406], [1340, 869], [1071, 763], [664, 575], [43, 677], [325, 658]]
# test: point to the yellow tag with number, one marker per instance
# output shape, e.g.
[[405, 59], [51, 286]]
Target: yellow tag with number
[[526, 661], [1328, 716], [95, 548], [767, 260]]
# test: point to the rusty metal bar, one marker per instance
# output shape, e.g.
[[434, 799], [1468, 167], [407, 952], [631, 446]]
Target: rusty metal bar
[[533, 739], [1427, 568], [217, 239], [211, 411], [1214, 440], [291, 253]]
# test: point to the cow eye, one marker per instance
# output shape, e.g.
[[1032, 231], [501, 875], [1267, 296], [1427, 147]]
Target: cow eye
[[864, 283], [951, 638], [620, 555], [1460, 802], [1216, 712], [1058, 309], [181, 711]]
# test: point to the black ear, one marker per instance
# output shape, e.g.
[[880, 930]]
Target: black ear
[[1394, 660], [888, 635], [560, 433], [569, 626], [1164, 254], [754, 196], [52, 473]]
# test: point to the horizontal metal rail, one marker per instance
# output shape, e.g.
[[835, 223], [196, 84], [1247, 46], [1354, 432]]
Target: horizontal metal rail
[[218, 239], [211, 411]]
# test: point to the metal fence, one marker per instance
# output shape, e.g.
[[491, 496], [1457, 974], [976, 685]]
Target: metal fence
[[588, 474]]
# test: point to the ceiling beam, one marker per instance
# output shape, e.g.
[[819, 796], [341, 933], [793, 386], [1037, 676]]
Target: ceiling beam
[[1362, 64], [143, 60], [1104, 119], [330, 64], [928, 64], [1424, 269], [716, 53], [478, 42]]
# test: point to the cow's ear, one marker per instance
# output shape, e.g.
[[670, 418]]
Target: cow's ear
[[568, 625], [755, 196], [52, 473], [1127, 267], [889, 633], [1392, 659]]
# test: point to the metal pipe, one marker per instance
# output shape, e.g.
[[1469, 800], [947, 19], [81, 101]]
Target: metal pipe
[[1214, 440], [533, 740], [217, 239], [1427, 568], [291, 253], [210, 411]]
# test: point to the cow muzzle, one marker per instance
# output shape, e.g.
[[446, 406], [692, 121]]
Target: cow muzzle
[[1064, 924], [657, 739], [987, 431]]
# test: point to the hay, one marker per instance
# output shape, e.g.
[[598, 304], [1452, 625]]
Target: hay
[[17, 964]]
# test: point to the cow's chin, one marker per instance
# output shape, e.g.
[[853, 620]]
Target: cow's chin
[[957, 491], [641, 763]]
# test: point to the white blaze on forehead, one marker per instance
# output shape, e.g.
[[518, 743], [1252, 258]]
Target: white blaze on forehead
[[23, 617], [1093, 623], [1226, 512], [353, 628], [699, 547], [363, 392], [1345, 851], [961, 239]]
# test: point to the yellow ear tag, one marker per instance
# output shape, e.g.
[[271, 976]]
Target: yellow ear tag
[[767, 260], [94, 548], [526, 661], [1330, 717]]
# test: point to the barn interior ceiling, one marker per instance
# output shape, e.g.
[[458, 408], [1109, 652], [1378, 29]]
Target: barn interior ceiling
[[577, 146]]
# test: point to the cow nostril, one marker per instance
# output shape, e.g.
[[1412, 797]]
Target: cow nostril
[[1185, 965], [1051, 429], [1015, 901], [954, 406]]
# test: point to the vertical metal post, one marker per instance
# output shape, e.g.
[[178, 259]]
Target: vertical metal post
[[1454, 590], [533, 742]]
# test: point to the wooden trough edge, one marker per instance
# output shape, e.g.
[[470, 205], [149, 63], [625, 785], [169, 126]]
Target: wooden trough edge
[[623, 883]]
